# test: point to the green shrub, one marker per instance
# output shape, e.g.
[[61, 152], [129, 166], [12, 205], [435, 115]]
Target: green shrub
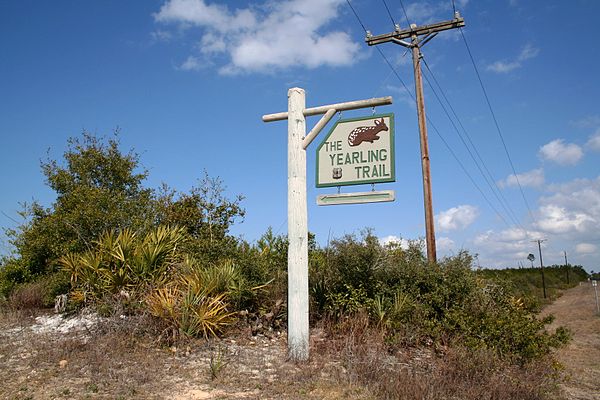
[[55, 284], [349, 301], [23, 292], [13, 272], [494, 319], [27, 296], [261, 264], [123, 262], [98, 188], [206, 215], [418, 302], [197, 301], [526, 283]]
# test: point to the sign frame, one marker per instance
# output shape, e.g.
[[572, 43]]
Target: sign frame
[[298, 298], [380, 196], [391, 130]]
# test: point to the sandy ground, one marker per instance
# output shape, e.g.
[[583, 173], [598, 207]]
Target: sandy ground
[[576, 309], [49, 357]]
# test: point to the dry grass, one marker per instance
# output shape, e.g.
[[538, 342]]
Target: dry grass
[[577, 311], [443, 373], [122, 359], [28, 296], [112, 361]]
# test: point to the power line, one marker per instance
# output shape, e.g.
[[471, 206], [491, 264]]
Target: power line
[[389, 13], [395, 73], [487, 99], [462, 166], [405, 13], [465, 144], [378, 49], [429, 119], [356, 15], [479, 162], [11, 218], [467, 172]]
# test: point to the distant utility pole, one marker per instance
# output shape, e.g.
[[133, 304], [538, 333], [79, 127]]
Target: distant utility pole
[[419, 36], [566, 266], [595, 286], [539, 242]]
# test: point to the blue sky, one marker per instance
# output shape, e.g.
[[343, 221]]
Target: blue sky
[[187, 82]]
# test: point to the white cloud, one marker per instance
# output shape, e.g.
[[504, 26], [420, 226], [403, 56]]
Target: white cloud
[[503, 66], [567, 216], [591, 121], [594, 141], [211, 43], [533, 178], [505, 247], [161, 36], [197, 12], [586, 248], [192, 64], [275, 35], [402, 96], [403, 243], [555, 219], [561, 153], [456, 217], [510, 235], [424, 12], [516, 234], [572, 208], [527, 52], [444, 243]]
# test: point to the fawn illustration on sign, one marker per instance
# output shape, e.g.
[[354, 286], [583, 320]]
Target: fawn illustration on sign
[[366, 133]]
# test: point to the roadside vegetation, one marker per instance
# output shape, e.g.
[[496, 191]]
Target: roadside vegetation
[[112, 245], [527, 284]]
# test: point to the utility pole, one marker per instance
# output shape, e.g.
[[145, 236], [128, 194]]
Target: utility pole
[[539, 242], [566, 266], [595, 286], [419, 36]]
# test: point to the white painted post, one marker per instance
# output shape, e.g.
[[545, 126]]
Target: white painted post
[[298, 333]]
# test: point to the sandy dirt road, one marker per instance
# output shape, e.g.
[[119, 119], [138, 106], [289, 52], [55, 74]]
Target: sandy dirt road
[[576, 309]]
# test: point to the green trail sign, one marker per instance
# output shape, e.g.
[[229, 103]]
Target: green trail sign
[[357, 151]]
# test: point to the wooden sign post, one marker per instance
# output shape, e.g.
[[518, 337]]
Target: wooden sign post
[[298, 141]]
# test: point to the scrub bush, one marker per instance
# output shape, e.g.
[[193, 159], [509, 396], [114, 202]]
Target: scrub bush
[[13, 272], [124, 263], [197, 301], [264, 265], [526, 283], [417, 302], [21, 291]]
